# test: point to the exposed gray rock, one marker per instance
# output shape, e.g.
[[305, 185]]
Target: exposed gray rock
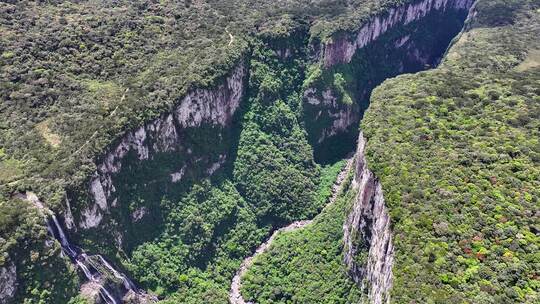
[[138, 214], [8, 282], [96, 188], [91, 217], [215, 166], [98, 271], [201, 106], [401, 42], [342, 48], [68, 216], [90, 291], [367, 231], [332, 117], [177, 176], [341, 115]]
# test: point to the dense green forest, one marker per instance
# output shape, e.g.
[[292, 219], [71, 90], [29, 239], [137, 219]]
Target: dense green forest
[[456, 148], [273, 180], [75, 75], [457, 152], [306, 266]]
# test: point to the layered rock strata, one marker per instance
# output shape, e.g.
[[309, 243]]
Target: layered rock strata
[[342, 48], [409, 46]]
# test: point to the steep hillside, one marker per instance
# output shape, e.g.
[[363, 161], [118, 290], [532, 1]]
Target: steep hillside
[[456, 152]]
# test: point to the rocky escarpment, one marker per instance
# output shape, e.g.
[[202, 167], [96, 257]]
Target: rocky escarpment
[[369, 251], [342, 48], [413, 36], [103, 283], [8, 282], [165, 135]]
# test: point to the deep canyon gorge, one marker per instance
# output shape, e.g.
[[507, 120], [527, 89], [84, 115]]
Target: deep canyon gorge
[[198, 201]]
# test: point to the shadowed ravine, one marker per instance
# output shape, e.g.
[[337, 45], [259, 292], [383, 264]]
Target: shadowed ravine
[[217, 107], [270, 152], [112, 286], [367, 228], [235, 297]]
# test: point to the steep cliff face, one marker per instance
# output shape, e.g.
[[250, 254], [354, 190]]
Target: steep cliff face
[[341, 115], [342, 48], [102, 282], [165, 135], [8, 282], [369, 252], [414, 37]]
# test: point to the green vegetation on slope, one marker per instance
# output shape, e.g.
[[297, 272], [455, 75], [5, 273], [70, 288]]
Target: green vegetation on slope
[[306, 265], [75, 75], [90, 70], [458, 154], [407, 49], [273, 180], [37, 263]]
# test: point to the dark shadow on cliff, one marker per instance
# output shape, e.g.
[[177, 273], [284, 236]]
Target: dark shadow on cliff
[[417, 46]]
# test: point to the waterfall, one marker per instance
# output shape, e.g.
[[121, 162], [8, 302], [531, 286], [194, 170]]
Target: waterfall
[[86, 263], [367, 229], [62, 238], [85, 270], [128, 284], [106, 296], [81, 259]]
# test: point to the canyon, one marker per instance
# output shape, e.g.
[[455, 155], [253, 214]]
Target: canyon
[[163, 135], [330, 119], [410, 46], [367, 229]]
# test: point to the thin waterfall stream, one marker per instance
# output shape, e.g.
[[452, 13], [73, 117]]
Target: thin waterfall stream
[[96, 268]]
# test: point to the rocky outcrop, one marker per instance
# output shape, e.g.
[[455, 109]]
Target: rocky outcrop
[[368, 250], [414, 37], [103, 284], [200, 107], [8, 282], [341, 116], [342, 48]]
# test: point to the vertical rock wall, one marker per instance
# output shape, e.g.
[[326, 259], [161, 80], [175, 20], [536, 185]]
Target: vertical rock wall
[[200, 107], [369, 252], [8, 282], [405, 39], [342, 48]]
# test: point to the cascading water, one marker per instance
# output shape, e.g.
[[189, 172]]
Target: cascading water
[[128, 284], [61, 237], [106, 295], [94, 267]]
